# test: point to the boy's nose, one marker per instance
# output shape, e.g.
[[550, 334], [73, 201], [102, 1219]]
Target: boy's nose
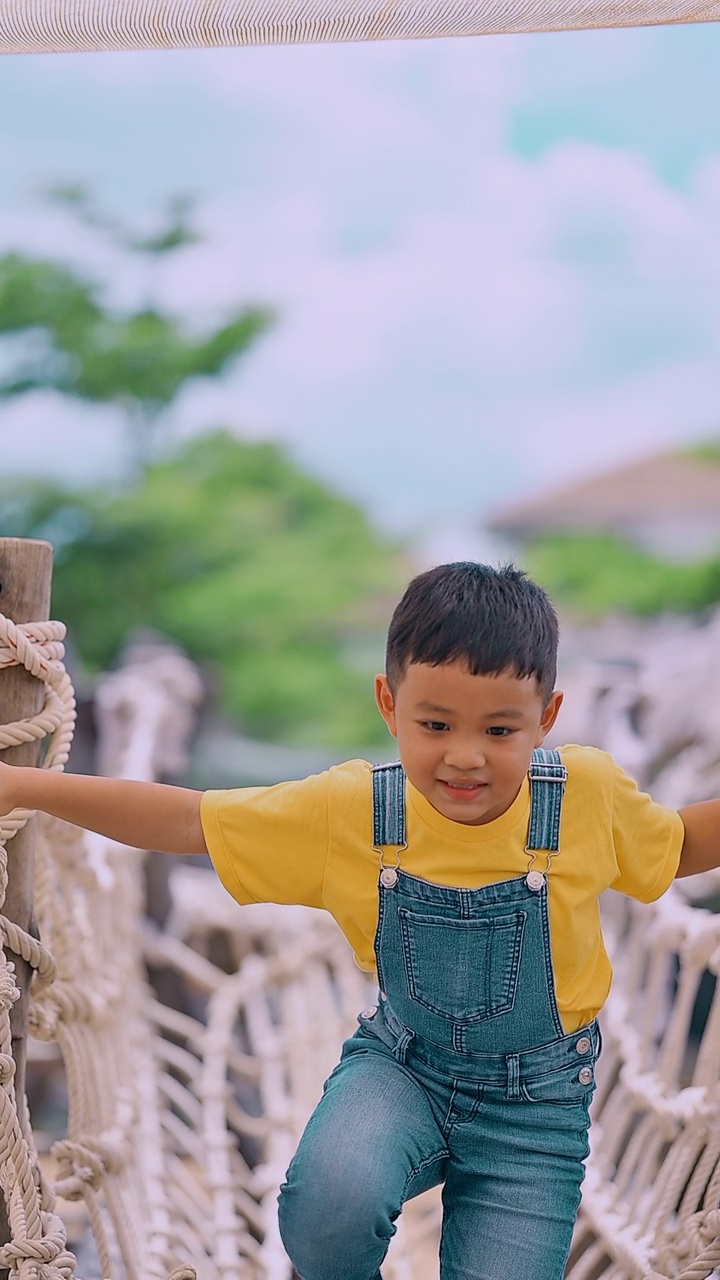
[[465, 756]]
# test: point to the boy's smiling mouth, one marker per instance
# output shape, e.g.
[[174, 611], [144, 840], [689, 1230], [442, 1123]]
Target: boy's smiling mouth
[[463, 790]]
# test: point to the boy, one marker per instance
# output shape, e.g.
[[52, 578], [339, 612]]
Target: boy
[[450, 879]]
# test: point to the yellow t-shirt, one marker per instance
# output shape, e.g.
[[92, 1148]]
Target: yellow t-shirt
[[310, 843]]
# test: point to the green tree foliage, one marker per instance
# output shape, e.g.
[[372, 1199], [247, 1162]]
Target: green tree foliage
[[67, 339], [706, 451], [176, 231], [593, 574], [262, 574]]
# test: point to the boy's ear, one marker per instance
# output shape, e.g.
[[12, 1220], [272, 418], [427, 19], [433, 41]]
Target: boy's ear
[[386, 703], [549, 716]]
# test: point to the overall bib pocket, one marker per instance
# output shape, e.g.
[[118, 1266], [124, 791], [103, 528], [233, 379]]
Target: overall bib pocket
[[464, 970]]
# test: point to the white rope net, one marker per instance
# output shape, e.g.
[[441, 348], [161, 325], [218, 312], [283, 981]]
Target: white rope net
[[52, 26], [183, 1116]]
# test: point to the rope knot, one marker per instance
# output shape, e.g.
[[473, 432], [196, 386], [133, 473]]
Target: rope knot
[[9, 991], [38, 647], [45, 1249], [7, 1068], [78, 1167]]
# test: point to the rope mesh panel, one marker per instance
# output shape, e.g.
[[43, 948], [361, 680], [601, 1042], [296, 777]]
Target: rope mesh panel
[[66, 26], [184, 1116]]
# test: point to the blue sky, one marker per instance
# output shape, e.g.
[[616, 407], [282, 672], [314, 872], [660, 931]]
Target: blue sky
[[496, 260]]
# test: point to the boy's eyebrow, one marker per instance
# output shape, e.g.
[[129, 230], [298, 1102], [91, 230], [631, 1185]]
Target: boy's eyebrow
[[511, 713]]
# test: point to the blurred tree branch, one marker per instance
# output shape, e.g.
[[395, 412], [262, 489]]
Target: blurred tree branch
[[56, 331]]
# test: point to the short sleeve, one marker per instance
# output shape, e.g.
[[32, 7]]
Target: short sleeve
[[270, 844], [648, 840]]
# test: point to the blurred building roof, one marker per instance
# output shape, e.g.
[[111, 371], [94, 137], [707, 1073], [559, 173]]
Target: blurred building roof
[[668, 503]]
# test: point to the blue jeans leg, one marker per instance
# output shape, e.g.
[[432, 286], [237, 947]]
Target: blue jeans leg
[[372, 1142], [512, 1190]]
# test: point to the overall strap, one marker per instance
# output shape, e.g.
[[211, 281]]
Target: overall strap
[[388, 805], [548, 776]]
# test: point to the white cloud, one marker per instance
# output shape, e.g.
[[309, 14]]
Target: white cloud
[[477, 319], [43, 434], [573, 434]]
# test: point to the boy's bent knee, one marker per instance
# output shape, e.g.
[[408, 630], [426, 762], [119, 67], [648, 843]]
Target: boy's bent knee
[[332, 1232], [353, 1168]]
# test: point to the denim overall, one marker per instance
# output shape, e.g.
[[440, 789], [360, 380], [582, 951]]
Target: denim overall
[[461, 1075]]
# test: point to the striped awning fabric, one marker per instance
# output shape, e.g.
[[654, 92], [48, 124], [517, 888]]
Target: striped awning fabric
[[47, 26]]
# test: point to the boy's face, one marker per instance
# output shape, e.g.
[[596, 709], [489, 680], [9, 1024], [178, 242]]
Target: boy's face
[[465, 741]]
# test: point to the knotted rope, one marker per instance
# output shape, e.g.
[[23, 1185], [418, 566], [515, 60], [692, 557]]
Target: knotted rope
[[703, 1227], [39, 648], [36, 1250]]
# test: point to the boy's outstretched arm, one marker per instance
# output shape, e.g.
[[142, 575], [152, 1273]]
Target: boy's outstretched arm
[[701, 846], [148, 815]]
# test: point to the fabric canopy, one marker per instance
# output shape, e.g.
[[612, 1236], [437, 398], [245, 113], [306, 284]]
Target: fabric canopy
[[53, 26]]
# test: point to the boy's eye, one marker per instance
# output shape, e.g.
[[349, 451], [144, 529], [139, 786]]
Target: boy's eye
[[499, 731], [435, 726]]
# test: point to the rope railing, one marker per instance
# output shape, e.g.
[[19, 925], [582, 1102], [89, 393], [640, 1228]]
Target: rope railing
[[77, 996], [37, 1248]]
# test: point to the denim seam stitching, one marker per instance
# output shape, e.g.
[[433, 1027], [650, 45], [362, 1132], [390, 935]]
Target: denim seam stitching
[[549, 964], [376, 942], [424, 1164], [450, 1122]]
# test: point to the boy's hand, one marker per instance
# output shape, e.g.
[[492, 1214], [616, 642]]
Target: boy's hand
[[148, 815]]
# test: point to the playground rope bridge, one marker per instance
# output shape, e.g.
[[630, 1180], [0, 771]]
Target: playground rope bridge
[[182, 1119]]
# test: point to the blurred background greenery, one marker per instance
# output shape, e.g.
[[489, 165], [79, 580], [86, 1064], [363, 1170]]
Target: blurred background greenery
[[277, 586], [594, 574]]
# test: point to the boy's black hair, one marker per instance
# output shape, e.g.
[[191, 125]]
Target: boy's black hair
[[492, 620]]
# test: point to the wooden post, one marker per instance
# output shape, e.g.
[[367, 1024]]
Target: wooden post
[[25, 583]]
